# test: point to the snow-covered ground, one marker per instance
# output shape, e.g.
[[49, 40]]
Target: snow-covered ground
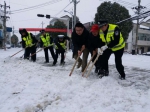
[[37, 87]]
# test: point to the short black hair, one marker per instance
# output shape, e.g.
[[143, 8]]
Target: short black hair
[[42, 31], [79, 25], [24, 30]]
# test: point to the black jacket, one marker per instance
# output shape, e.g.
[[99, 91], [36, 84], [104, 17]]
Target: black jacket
[[34, 40], [41, 42], [79, 40], [94, 42]]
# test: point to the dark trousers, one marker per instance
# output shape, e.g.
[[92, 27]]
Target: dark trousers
[[46, 53], [84, 58], [118, 60], [29, 51], [62, 53]]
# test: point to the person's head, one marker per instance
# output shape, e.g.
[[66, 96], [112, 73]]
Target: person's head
[[24, 32], [95, 29], [42, 32], [61, 37], [79, 28], [103, 24]]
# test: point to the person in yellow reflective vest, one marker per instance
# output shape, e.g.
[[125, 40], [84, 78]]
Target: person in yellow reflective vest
[[111, 35], [60, 46], [29, 43], [46, 41]]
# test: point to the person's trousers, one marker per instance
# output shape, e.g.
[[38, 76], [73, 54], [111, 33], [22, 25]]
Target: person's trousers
[[62, 53], [30, 50], [46, 53], [118, 60], [84, 58]]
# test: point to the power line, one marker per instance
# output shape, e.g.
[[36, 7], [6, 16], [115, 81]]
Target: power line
[[63, 9], [35, 7], [26, 20]]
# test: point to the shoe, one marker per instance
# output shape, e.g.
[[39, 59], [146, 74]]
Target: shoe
[[79, 64], [54, 63], [46, 62], [102, 73], [96, 70], [62, 63], [122, 78]]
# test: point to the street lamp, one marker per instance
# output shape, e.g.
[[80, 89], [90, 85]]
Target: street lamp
[[71, 13]]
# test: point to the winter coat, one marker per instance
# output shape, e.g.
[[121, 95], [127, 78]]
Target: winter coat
[[94, 42], [79, 40], [57, 43], [34, 40], [50, 40]]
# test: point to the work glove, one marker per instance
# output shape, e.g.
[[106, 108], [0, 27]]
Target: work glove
[[100, 51], [103, 48]]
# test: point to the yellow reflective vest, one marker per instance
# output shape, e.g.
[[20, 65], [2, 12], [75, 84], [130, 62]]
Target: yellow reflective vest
[[46, 41], [28, 40], [63, 45], [110, 36]]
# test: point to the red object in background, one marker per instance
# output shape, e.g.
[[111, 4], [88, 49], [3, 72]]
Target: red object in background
[[46, 29]]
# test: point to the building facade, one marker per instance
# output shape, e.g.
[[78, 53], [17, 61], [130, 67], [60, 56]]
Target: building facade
[[143, 41]]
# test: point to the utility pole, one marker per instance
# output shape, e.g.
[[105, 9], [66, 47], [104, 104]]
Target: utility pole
[[42, 24], [138, 9], [75, 12], [13, 30], [4, 23], [75, 4]]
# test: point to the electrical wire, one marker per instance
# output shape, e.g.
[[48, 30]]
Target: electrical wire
[[35, 7], [62, 9]]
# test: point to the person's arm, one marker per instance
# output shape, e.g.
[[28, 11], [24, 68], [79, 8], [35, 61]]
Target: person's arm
[[51, 40], [41, 43], [33, 38], [58, 45], [116, 38], [23, 43], [74, 42], [90, 43], [86, 36]]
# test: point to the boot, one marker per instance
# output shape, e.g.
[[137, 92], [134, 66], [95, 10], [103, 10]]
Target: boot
[[96, 69], [62, 63], [121, 77], [102, 73], [54, 63]]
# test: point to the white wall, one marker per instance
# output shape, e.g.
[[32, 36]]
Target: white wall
[[132, 39]]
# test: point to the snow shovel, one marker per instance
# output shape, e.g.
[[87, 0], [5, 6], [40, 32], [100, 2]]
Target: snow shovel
[[93, 65], [37, 52], [87, 65], [12, 55], [74, 64]]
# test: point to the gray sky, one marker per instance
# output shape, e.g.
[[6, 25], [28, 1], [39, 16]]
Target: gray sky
[[86, 10]]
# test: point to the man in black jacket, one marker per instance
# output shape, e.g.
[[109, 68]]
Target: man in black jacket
[[93, 44], [29, 43], [80, 43]]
